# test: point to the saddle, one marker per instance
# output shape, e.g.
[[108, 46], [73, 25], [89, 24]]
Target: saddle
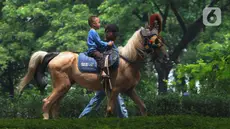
[[88, 64]]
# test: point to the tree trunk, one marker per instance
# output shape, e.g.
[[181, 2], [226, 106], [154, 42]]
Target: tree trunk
[[162, 67], [165, 17], [163, 73], [1, 6], [10, 80]]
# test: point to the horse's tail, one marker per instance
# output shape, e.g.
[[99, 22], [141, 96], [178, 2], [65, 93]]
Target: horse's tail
[[35, 60], [39, 75]]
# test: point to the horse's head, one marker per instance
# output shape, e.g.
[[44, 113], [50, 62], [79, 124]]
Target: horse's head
[[149, 39], [152, 32], [144, 41], [153, 43], [156, 43]]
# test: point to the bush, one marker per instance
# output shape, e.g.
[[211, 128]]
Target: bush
[[30, 105], [207, 105], [165, 104]]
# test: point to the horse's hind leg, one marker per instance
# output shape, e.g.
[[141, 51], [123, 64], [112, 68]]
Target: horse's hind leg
[[61, 85], [55, 108], [48, 103], [56, 105], [133, 95]]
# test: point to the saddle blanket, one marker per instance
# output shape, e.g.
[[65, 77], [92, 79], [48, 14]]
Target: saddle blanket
[[87, 64]]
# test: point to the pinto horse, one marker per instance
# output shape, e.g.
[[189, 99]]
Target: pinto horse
[[64, 72]]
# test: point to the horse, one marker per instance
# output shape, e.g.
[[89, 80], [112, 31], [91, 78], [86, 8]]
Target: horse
[[64, 71]]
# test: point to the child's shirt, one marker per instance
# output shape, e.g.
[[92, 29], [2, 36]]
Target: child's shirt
[[95, 43]]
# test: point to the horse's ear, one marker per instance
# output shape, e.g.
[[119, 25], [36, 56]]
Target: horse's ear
[[146, 32], [154, 32], [147, 26]]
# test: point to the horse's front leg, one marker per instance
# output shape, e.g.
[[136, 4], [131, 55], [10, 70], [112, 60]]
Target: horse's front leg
[[111, 102], [133, 95]]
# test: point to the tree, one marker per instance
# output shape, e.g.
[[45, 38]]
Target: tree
[[27, 26], [130, 14], [212, 68]]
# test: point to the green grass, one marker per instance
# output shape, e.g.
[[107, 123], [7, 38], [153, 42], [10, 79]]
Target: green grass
[[158, 122]]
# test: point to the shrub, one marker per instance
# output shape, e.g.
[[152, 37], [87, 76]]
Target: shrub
[[30, 105]]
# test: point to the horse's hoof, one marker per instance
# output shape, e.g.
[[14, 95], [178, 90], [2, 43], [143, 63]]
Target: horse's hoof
[[45, 116], [109, 108], [44, 100], [109, 112]]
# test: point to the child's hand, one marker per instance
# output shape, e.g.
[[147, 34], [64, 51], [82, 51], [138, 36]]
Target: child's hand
[[110, 43]]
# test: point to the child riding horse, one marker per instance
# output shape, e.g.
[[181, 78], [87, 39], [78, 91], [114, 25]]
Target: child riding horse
[[64, 72]]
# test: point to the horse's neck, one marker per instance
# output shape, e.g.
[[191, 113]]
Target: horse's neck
[[132, 67], [130, 49], [138, 62]]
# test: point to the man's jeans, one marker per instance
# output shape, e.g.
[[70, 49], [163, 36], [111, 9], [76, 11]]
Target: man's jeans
[[97, 99]]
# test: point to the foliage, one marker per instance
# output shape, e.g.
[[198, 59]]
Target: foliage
[[206, 105], [27, 26], [30, 105], [43, 25], [212, 66]]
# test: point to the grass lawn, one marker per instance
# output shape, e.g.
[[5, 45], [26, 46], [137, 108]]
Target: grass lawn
[[157, 122]]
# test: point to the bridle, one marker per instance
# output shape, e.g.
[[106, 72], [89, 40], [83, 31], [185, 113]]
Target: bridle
[[149, 45]]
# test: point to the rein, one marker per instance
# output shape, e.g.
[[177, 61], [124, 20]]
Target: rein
[[134, 62], [131, 62]]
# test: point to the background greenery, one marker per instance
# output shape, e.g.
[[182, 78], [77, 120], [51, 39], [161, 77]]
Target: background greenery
[[29, 106], [200, 54]]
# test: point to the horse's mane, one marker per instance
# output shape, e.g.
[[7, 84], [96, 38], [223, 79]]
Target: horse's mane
[[130, 49]]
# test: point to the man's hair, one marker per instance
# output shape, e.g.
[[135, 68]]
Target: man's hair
[[91, 20], [111, 28]]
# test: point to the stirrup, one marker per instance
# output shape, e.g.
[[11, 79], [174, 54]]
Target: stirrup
[[105, 76]]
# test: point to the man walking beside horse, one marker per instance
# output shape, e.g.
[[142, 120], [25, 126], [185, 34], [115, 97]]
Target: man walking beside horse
[[66, 69]]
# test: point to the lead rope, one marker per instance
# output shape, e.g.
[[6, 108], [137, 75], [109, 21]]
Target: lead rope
[[107, 66], [107, 88]]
